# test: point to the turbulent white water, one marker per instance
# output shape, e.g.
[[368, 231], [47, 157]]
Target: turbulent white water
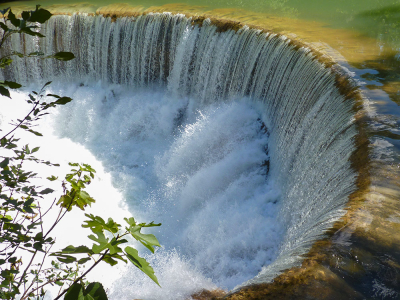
[[199, 173], [177, 114]]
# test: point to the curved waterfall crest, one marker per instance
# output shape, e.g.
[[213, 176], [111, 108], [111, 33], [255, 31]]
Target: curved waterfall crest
[[310, 120]]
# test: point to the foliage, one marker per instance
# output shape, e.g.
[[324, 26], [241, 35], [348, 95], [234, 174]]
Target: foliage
[[26, 245]]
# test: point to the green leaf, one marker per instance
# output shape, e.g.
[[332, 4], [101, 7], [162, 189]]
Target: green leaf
[[113, 246], [112, 226], [52, 177], [63, 56], [13, 19], [28, 206], [67, 259], [101, 239], [63, 100], [19, 54], [84, 199], [115, 256], [12, 260], [148, 240], [111, 261], [12, 227], [10, 84], [95, 291], [131, 221], [75, 292], [38, 246], [53, 95], [59, 283], [3, 142], [25, 15], [33, 225], [29, 210], [38, 237], [5, 61], [83, 260], [28, 31], [95, 223], [3, 26], [35, 132], [37, 53], [88, 168], [5, 218], [5, 163], [10, 146], [40, 15], [76, 250], [36, 149], [75, 197], [141, 263], [46, 191], [4, 91], [105, 243], [65, 201]]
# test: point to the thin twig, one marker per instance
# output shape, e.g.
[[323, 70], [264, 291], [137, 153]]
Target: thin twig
[[41, 266], [49, 208], [40, 96], [40, 218], [83, 275], [49, 282], [26, 269], [20, 123], [56, 222]]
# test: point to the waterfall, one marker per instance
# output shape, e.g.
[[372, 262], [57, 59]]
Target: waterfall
[[310, 122]]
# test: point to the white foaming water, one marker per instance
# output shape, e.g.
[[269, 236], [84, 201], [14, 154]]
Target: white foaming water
[[167, 144], [201, 173]]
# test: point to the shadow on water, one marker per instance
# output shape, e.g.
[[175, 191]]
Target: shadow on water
[[384, 76], [273, 7], [384, 24], [387, 67], [353, 268], [12, 1]]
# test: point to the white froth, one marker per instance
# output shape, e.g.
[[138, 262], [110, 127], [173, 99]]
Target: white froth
[[200, 173]]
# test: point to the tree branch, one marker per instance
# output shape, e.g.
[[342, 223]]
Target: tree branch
[[83, 275]]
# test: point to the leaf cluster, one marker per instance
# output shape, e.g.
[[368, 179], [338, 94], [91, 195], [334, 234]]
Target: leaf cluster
[[78, 180], [28, 24], [22, 216], [108, 238]]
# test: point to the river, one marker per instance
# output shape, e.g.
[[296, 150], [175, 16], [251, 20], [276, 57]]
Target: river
[[361, 253]]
